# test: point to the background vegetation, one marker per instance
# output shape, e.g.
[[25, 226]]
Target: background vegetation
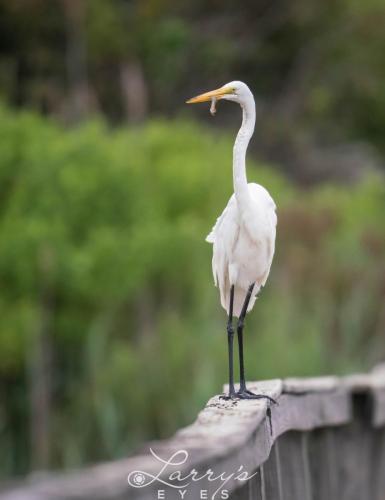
[[111, 331]]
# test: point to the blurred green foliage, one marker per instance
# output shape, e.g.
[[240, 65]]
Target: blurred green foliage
[[317, 67], [103, 260]]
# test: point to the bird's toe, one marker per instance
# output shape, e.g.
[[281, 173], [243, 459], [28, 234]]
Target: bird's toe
[[246, 394]]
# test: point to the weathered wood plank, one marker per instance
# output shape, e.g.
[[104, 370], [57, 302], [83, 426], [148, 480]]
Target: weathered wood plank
[[230, 436], [373, 384], [294, 467], [308, 411], [252, 490], [272, 484], [322, 464], [242, 493], [353, 449], [376, 487], [256, 487], [293, 385]]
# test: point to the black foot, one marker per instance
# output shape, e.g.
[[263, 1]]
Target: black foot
[[246, 394], [229, 397]]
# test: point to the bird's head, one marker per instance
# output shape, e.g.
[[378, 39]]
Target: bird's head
[[234, 91]]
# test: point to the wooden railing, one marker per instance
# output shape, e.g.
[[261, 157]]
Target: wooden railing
[[324, 440]]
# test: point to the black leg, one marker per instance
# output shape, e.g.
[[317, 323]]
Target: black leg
[[243, 392], [240, 326], [230, 338]]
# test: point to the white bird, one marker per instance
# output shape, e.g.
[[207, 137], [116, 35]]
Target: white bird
[[243, 237]]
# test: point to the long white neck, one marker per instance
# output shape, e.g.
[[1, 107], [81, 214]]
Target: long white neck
[[239, 152]]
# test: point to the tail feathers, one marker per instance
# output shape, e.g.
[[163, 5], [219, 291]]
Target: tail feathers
[[239, 299]]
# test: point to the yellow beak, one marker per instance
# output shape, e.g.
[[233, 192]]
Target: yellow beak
[[213, 94]]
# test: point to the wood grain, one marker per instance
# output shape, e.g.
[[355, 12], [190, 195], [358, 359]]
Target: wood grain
[[325, 439]]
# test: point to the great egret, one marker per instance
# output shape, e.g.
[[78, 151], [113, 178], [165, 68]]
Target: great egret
[[243, 237]]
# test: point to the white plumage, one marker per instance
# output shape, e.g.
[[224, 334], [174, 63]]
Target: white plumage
[[243, 237], [243, 247]]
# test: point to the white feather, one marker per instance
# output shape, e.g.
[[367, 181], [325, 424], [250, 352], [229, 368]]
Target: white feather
[[243, 247]]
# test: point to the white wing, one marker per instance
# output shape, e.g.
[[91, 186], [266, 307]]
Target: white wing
[[238, 240], [223, 236]]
